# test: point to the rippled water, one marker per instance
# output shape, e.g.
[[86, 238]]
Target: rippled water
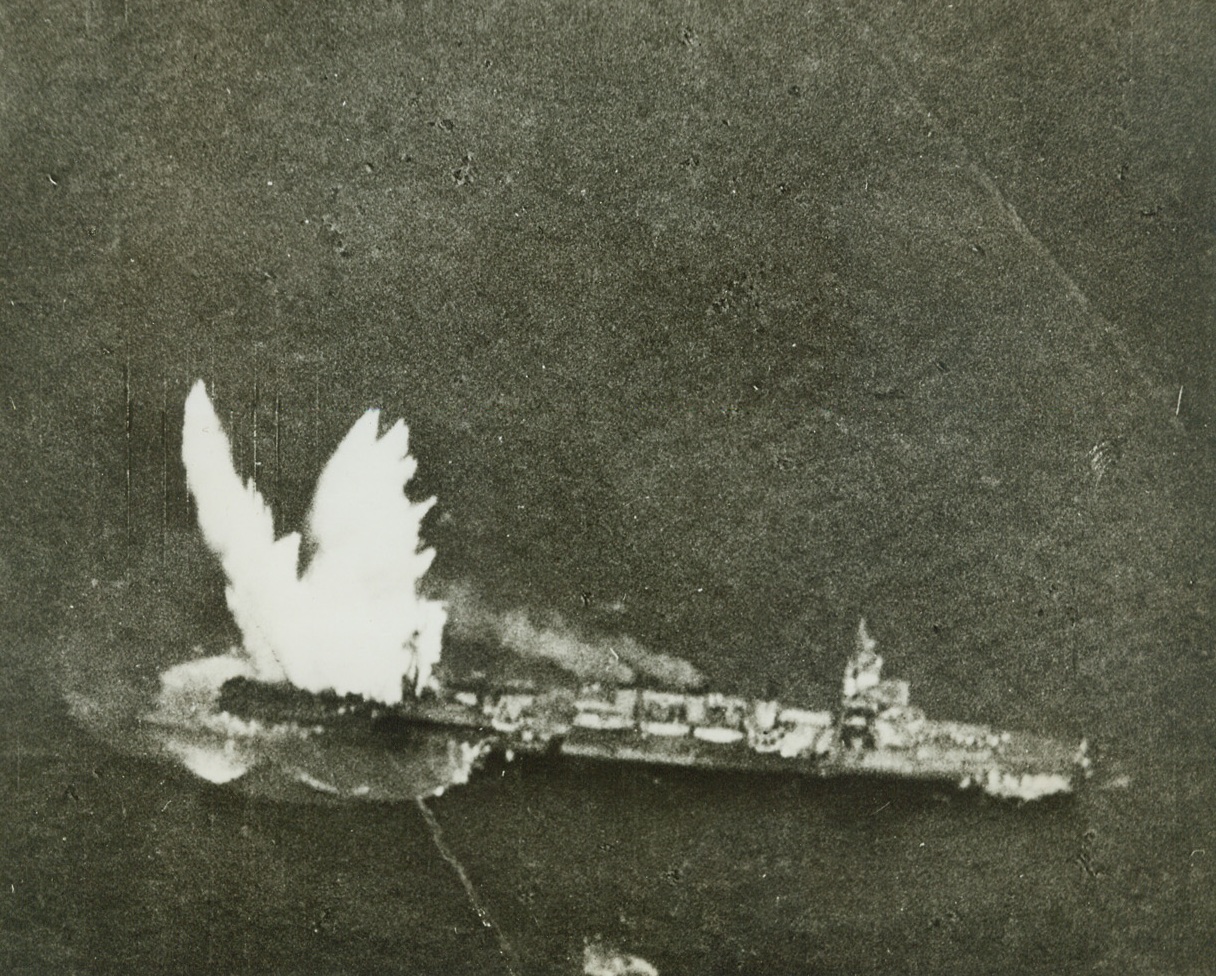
[[714, 334]]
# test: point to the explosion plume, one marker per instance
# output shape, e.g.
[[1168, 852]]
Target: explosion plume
[[353, 621]]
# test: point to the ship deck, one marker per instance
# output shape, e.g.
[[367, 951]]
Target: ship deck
[[548, 723]]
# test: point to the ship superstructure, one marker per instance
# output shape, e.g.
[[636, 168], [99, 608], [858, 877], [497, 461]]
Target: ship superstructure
[[875, 732]]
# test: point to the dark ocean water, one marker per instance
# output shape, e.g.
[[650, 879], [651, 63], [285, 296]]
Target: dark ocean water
[[717, 328]]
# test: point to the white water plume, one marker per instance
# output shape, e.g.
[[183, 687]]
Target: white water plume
[[353, 621]]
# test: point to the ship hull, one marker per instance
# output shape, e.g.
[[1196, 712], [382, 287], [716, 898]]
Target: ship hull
[[560, 723]]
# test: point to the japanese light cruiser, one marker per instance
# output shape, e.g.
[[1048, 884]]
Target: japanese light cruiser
[[876, 732]]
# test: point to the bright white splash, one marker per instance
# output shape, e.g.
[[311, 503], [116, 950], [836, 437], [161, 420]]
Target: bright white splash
[[353, 621], [1028, 786], [602, 959]]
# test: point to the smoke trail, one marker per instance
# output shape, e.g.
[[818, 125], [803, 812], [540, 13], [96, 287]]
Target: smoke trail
[[353, 621], [613, 660]]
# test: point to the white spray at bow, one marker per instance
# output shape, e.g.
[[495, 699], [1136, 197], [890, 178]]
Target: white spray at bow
[[353, 621]]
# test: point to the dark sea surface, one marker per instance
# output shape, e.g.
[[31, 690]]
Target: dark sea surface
[[717, 326]]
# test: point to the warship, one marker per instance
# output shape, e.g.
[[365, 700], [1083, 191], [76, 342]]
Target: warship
[[875, 732]]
